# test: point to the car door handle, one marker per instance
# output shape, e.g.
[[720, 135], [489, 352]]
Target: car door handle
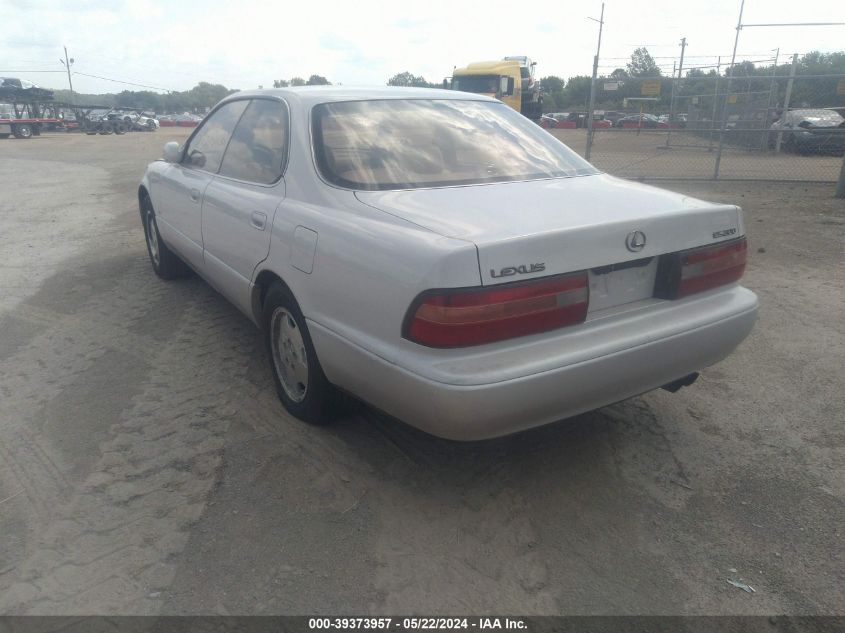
[[258, 220], [195, 195]]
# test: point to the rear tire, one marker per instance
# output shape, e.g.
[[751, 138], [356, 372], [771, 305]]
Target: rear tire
[[22, 130], [166, 264], [301, 385]]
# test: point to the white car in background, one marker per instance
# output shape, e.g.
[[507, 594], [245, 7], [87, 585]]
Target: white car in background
[[441, 257], [147, 122]]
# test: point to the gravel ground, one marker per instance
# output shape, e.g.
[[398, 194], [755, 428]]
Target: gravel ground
[[147, 467]]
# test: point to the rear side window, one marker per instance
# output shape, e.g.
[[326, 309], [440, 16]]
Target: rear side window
[[403, 144], [258, 149], [205, 150]]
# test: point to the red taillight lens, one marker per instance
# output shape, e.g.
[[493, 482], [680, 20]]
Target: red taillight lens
[[459, 318], [710, 267]]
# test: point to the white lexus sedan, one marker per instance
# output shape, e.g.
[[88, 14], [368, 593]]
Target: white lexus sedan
[[443, 258]]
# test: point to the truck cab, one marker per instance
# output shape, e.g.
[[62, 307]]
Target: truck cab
[[510, 80]]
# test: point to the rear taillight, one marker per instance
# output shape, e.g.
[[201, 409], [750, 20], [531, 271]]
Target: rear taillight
[[473, 316], [688, 272]]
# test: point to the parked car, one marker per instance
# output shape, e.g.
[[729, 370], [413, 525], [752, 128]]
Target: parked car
[[132, 120], [600, 123], [147, 122], [640, 121], [559, 120], [572, 120], [613, 116], [440, 257], [810, 131], [15, 83], [548, 121], [680, 119]]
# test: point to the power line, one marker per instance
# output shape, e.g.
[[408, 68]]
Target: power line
[[694, 56], [745, 26], [134, 63], [128, 83]]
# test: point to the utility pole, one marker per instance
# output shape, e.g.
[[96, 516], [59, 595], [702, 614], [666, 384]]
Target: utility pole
[[715, 102], [674, 82], [772, 103], [593, 87], [724, 123], [67, 63], [786, 99]]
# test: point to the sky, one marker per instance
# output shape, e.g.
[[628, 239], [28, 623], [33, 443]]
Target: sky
[[173, 44]]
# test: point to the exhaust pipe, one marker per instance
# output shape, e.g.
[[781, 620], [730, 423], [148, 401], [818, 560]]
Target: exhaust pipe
[[686, 381]]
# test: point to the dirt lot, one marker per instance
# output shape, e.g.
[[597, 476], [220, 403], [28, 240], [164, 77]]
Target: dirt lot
[[146, 466]]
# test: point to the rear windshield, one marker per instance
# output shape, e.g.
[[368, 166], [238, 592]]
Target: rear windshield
[[405, 144]]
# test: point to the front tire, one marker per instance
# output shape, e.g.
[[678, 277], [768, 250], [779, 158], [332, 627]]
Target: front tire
[[300, 382], [166, 264]]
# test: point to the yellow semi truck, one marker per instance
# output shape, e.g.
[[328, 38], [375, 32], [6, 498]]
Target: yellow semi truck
[[511, 80]]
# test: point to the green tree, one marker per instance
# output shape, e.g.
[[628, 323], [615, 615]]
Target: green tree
[[577, 92], [552, 84], [280, 83], [407, 79], [297, 81], [144, 99], [642, 64], [205, 95], [317, 80]]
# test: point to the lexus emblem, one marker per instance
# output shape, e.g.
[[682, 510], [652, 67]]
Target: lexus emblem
[[635, 241]]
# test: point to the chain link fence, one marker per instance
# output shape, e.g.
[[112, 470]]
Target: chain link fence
[[710, 127]]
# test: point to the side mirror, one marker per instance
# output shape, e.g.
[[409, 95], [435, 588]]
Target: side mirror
[[172, 152], [197, 158], [504, 83]]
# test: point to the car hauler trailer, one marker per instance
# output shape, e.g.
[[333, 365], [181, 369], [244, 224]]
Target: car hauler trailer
[[26, 112]]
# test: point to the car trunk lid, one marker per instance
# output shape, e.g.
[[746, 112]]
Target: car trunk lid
[[531, 229]]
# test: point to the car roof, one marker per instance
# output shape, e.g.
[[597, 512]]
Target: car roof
[[312, 95], [815, 112]]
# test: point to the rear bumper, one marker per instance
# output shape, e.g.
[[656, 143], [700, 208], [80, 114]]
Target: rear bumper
[[623, 363]]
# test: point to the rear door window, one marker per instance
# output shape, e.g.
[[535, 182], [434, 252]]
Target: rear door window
[[258, 149]]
